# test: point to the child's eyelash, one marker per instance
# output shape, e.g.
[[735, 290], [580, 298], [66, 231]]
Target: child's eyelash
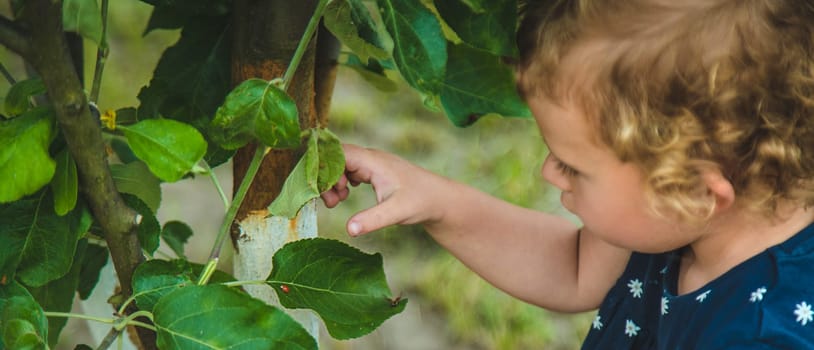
[[566, 170]]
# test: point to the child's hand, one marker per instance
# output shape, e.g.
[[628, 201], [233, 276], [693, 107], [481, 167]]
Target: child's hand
[[404, 192]]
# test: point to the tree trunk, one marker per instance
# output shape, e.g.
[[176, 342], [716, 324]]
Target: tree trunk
[[266, 36]]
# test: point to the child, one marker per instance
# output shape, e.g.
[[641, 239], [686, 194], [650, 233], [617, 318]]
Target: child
[[681, 133]]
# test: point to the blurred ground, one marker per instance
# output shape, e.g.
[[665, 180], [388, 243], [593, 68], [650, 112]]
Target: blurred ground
[[449, 307]]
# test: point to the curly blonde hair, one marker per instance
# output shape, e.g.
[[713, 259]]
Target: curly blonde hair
[[677, 86]]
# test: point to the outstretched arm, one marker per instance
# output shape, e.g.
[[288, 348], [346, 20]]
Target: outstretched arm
[[534, 256]]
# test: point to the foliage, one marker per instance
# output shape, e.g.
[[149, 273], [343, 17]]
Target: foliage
[[189, 119]]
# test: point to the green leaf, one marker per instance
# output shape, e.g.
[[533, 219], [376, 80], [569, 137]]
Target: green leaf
[[491, 27], [345, 286], [257, 110], [176, 233], [149, 230], [478, 83], [58, 295], [18, 98], [136, 179], [22, 321], [372, 72], [84, 17], [193, 76], [65, 183], [419, 49], [25, 165], [156, 278], [317, 171], [301, 184], [195, 7], [477, 6], [123, 151], [331, 159], [351, 23], [170, 148], [174, 14], [94, 260], [217, 317], [36, 242]]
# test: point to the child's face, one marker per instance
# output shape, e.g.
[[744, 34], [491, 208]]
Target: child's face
[[607, 194]]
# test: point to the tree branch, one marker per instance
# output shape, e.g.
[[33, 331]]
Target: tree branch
[[50, 57], [13, 37]]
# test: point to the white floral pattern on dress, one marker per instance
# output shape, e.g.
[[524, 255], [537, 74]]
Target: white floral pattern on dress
[[804, 313], [597, 322], [631, 329], [757, 295], [635, 288], [703, 296], [665, 305]]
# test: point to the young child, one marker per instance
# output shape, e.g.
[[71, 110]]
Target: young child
[[681, 133]]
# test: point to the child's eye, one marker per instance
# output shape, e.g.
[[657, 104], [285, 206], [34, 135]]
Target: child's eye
[[566, 170]]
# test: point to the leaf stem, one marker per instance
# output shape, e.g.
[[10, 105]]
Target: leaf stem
[[244, 283], [79, 316], [217, 185], [101, 56], [131, 319], [254, 166], [303, 45]]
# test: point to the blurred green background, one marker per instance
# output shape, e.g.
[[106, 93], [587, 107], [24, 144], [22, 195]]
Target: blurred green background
[[450, 307]]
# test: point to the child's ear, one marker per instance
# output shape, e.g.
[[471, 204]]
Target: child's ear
[[719, 187]]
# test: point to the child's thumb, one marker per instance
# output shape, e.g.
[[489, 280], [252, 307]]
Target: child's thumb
[[381, 215]]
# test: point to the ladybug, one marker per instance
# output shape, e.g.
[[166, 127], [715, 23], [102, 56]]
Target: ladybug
[[284, 288]]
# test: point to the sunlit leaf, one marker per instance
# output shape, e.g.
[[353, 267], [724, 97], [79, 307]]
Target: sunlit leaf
[[84, 17], [344, 285], [316, 172], [94, 260], [217, 317], [65, 183], [36, 242], [478, 83], [351, 23], [22, 321], [149, 229], [331, 159], [136, 179], [419, 46], [301, 184], [491, 29], [18, 98], [257, 110], [25, 165], [170, 148], [176, 233], [156, 278]]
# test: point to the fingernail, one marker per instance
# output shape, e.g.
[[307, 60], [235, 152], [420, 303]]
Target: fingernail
[[354, 228]]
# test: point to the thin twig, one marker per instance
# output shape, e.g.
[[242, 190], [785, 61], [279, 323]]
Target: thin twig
[[7, 74], [109, 339], [14, 38], [303, 45], [254, 166], [101, 57]]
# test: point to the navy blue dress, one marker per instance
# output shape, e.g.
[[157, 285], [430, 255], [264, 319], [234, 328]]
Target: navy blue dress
[[766, 302]]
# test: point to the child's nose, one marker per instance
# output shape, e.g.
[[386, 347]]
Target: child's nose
[[554, 176]]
